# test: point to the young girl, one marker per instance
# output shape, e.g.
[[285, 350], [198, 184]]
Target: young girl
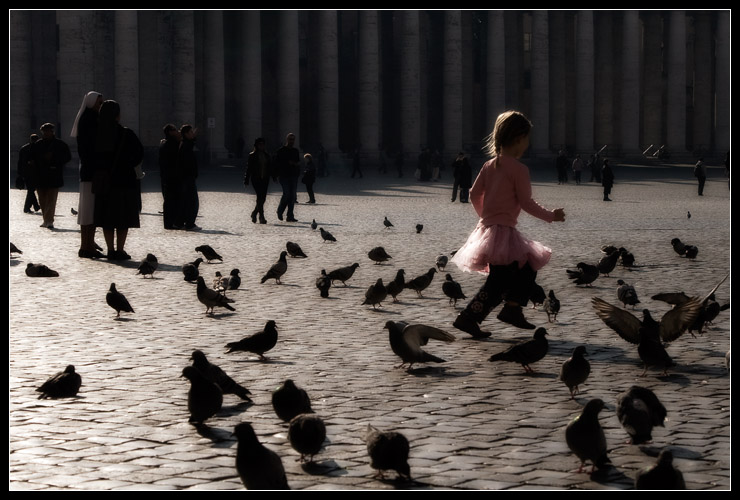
[[501, 190]]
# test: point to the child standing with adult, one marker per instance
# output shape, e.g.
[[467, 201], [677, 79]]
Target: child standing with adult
[[500, 191]]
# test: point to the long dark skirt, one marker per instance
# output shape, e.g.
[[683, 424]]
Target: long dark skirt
[[118, 209]]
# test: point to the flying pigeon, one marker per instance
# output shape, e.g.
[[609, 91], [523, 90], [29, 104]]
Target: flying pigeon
[[294, 250], [575, 370], [661, 476], [190, 270], [326, 235], [14, 249], [64, 384], [204, 397], [537, 295], [117, 301], [314, 225], [343, 273], [387, 223], [709, 308], [212, 298], [215, 374], [419, 227], [396, 286], [258, 343], [306, 434], [375, 294], [209, 253], [639, 410], [388, 450], [608, 262], [259, 467], [651, 350], [323, 283], [441, 262], [525, 352], [406, 342], [148, 265], [551, 306], [421, 282], [452, 290], [585, 275], [40, 271], [585, 437], [378, 255], [626, 294], [289, 400], [277, 270]]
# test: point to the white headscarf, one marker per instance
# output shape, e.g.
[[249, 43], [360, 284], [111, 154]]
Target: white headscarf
[[87, 102]]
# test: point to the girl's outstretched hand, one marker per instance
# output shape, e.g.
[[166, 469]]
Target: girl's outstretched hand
[[559, 215]]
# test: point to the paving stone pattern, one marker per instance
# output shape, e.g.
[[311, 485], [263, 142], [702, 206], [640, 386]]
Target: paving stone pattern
[[472, 425]]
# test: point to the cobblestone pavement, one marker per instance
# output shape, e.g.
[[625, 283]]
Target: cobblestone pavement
[[472, 425]]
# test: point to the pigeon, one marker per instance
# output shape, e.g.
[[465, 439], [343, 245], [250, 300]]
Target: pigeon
[[215, 374], [452, 289], [388, 224], [575, 370], [323, 283], [709, 308], [220, 282], [117, 301], [396, 286], [406, 342], [326, 235], [607, 249], [306, 434], [148, 265], [277, 270], [212, 298], [691, 252], [626, 294], [688, 214], [14, 249], [289, 400], [74, 212], [375, 294], [209, 253], [190, 270], [639, 410], [421, 282], [585, 275], [551, 305], [204, 397], [388, 450], [585, 437], [40, 271], [343, 273], [258, 343], [294, 250], [378, 255], [441, 262], [314, 225], [64, 384], [537, 296], [661, 476], [608, 262], [626, 258], [419, 227], [525, 352], [259, 467], [678, 246], [650, 349], [234, 280]]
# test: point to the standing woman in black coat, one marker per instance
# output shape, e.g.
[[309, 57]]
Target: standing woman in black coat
[[309, 176], [607, 179], [118, 151], [259, 171], [187, 166]]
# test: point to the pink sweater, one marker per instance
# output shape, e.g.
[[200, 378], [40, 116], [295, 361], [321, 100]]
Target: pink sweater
[[499, 194]]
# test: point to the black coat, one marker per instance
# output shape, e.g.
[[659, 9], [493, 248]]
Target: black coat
[[168, 167], [49, 157], [87, 127], [254, 172]]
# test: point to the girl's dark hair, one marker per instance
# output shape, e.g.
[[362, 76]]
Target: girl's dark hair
[[510, 125]]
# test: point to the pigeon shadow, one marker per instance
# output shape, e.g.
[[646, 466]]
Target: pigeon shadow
[[238, 408], [267, 361], [678, 451], [217, 436], [324, 468], [220, 315], [380, 309], [124, 319], [610, 475], [436, 371], [401, 483], [215, 231]]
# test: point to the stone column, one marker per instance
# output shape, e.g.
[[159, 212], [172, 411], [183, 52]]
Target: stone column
[[452, 85], [585, 81], [676, 88], [126, 61], [215, 91], [328, 89], [19, 83], [605, 75], [368, 82], [630, 102], [495, 67], [539, 77], [288, 82], [410, 102], [652, 107], [722, 85], [251, 78], [183, 69], [557, 80], [74, 66], [702, 75]]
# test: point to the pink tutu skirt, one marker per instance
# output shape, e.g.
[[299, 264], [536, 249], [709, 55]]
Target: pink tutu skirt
[[499, 245]]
